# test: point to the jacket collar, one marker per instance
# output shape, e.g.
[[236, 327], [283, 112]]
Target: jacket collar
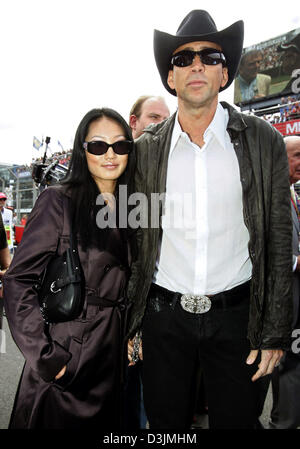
[[159, 129], [236, 122]]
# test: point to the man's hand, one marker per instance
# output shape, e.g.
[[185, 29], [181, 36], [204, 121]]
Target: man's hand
[[130, 351], [269, 359]]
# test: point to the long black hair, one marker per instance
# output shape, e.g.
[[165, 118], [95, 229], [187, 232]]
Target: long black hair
[[83, 188]]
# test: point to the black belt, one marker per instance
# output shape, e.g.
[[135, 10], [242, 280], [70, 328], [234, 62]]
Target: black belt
[[223, 300]]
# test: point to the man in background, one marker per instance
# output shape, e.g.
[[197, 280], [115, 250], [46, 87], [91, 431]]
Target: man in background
[[146, 110], [249, 84], [286, 378]]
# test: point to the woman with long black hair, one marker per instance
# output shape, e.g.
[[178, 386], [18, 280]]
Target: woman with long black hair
[[72, 375]]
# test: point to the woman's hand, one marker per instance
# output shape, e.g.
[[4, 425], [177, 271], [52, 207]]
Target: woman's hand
[[61, 373]]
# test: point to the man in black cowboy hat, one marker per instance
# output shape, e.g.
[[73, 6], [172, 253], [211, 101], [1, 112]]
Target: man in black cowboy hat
[[212, 283]]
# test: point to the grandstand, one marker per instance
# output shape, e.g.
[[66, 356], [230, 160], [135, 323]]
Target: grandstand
[[268, 82], [19, 186], [284, 116]]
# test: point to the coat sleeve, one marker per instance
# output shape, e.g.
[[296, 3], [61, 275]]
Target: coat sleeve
[[38, 244], [136, 262], [277, 323]]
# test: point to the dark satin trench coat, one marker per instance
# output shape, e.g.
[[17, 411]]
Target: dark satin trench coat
[[88, 395]]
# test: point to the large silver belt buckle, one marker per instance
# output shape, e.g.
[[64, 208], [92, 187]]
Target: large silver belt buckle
[[195, 303]]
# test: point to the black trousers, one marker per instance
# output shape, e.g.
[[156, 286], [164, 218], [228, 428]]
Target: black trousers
[[285, 412], [175, 342]]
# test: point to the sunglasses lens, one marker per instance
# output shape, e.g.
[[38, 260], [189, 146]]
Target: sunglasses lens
[[98, 147], [211, 58], [183, 59], [122, 147]]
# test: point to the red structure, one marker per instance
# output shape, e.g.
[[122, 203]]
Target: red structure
[[290, 128], [19, 229]]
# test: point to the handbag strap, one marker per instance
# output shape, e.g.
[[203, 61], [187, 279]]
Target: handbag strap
[[68, 222]]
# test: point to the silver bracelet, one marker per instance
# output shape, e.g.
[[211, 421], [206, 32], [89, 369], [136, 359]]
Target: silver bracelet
[[136, 345]]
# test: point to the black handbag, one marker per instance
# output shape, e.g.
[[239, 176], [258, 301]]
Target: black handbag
[[61, 292]]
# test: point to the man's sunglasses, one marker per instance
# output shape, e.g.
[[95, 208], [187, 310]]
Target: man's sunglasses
[[98, 147], [208, 56]]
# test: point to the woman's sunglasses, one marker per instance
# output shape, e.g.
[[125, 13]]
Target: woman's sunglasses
[[208, 56], [98, 147]]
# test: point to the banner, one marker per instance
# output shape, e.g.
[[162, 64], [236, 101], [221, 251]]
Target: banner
[[289, 128]]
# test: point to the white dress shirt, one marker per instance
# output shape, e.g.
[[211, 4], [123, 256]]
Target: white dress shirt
[[204, 245]]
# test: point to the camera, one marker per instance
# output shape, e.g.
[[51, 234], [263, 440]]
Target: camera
[[47, 175]]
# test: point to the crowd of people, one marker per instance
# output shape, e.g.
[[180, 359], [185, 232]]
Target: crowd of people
[[212, 297], [271, 58], [63, 158], [288, 109]]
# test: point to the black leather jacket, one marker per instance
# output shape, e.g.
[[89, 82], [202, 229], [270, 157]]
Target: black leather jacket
[[266, 199]]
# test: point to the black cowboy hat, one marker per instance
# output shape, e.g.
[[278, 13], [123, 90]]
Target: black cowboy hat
[[198, 25]]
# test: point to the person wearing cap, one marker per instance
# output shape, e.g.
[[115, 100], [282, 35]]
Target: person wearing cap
[[7, 217], [214, 288], [290, 61]]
